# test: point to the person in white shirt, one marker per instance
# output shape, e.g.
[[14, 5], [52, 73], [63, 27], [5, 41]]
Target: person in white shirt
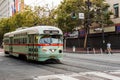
[[109, 47]]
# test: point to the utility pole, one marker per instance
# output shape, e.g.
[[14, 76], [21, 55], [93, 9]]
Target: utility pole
[[103, 35], [87, 40]]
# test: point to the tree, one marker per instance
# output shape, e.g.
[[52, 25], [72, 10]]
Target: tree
[[47, 15], [67, 7], [64, 11]]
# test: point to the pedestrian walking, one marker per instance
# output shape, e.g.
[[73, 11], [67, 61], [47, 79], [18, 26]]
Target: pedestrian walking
[[109, 48]]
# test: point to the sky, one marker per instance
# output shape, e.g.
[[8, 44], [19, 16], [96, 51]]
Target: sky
[[43, 3]]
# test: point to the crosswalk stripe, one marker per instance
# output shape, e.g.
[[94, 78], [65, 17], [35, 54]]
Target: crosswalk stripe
[[50, 77], [104, 75], [115, 72], [63, 77], [82, 75]]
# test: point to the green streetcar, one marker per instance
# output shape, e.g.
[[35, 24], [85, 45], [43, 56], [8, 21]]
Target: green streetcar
[[39, 43]]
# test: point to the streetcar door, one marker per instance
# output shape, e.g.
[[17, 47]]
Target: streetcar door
[[31, 44], [11, 46]]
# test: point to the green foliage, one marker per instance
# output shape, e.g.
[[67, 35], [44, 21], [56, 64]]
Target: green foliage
[[60, 17], [27, 18], [64, 20], [67, 7]]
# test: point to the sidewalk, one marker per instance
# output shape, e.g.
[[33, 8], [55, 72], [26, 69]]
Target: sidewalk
[[92, 51], [81, 50], [1, 50]]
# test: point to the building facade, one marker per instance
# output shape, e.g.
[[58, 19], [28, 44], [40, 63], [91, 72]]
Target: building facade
[[97, 35], [10, 7], [115, 9], [4, 8]]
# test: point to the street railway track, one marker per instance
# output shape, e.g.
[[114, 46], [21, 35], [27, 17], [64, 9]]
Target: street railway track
[[59, 74], [109, 63], [95, 67], [67, 65], [56, 68]]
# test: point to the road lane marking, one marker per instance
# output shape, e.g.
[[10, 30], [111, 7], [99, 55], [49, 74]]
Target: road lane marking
[[55, 77], [104, 75], [63, 77], [115, 72], [82, 75]]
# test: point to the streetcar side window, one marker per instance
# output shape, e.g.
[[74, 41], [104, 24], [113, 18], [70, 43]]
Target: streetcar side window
[[23, 40], [33, 39], [6, 41]]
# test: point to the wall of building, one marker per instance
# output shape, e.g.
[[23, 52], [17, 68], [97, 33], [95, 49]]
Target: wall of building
[[4, 8], [10, 7], [22, 5], [112, 3], [95, 41], [19, 5]]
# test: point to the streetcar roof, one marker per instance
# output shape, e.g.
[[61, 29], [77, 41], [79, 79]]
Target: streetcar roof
[[33, 30]]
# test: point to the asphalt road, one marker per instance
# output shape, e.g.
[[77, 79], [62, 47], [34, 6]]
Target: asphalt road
[[73, 67]]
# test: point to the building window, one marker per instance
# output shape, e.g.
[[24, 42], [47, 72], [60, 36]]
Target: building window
[[116, 10]]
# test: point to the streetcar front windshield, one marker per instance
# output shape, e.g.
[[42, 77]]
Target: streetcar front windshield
[[49, 39]]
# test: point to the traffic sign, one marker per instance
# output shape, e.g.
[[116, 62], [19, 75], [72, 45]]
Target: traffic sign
[[81, 15]]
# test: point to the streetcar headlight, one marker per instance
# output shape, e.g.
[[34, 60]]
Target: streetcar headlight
[[44, 50], [52, 50]]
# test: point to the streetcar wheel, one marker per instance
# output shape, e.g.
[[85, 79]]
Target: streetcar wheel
[[22, 57], [58, 61], [7, 53]]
